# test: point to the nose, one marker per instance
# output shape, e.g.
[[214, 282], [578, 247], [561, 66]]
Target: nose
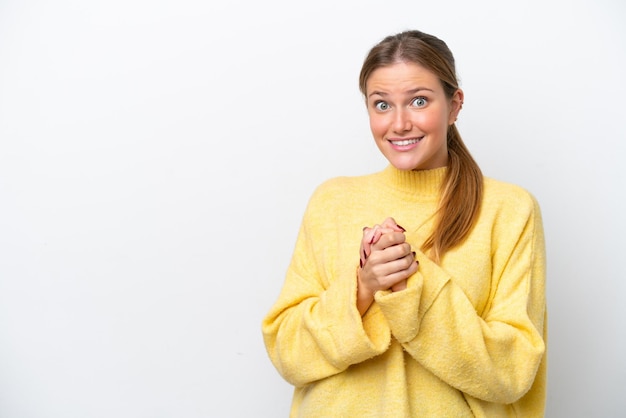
[[402, 121]]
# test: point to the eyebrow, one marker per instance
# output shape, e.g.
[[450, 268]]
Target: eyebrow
[[409, 92]]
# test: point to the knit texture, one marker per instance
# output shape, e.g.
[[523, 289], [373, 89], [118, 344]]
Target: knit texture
[[465, 339]]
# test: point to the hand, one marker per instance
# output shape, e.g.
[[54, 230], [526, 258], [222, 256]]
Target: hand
[[372, 235], [386, 261]]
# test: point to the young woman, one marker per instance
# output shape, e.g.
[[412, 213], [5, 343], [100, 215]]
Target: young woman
[[417, 291]]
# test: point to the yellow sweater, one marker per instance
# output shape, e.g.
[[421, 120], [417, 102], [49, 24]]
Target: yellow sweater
[[467, 336]]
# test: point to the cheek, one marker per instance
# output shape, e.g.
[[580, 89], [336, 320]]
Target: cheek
[[432, 121], [378, 126]]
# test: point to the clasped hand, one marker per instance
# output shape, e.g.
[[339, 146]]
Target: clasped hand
[[386, 261]]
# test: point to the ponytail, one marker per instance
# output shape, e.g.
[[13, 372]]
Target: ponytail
[[461, 195]]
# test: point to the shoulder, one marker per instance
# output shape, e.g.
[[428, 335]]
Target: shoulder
[[508, 197], [337, 197], [342, 188]]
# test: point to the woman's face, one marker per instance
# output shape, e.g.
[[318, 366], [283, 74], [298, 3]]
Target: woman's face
[[410, 115]]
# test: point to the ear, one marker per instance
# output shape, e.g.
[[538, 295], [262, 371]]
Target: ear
[[456, 104]]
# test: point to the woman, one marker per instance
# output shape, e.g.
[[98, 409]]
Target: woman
[[443, 316]]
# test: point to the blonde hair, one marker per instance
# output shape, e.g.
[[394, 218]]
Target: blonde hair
[[462, 189]]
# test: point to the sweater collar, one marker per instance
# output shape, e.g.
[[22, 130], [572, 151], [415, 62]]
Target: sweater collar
[[420, 182]]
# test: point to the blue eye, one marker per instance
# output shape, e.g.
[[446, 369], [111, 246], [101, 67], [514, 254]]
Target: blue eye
[[382, 106], [420, 102]]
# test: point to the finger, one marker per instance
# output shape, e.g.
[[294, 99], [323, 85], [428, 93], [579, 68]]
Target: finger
[[362, 255], [377, 234], [384, 263], [397, 280], [401, 285], [389, 240], [370, 236], [392, 224], [366, 243]]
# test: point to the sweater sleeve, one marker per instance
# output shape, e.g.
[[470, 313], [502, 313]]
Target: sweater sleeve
[[494, 355], [314, 330]]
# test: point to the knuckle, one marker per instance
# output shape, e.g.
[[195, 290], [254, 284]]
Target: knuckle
[[407, 262], [376, 270]]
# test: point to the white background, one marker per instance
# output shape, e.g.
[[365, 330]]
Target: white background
[[156, 158]]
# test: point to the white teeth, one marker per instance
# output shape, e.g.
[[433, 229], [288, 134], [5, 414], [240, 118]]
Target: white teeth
[[405, 142]]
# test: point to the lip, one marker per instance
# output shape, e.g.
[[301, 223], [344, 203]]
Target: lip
[[404, 144]]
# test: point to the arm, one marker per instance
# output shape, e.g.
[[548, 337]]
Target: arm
[[314, 330], [492, 356]]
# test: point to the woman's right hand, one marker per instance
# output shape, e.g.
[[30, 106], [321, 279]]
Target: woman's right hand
[[387, 260]]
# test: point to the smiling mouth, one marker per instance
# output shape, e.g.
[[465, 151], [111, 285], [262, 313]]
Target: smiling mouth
[[405, 142]]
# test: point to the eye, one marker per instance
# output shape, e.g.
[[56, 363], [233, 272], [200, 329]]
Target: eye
[[381, 106], [419, 102]]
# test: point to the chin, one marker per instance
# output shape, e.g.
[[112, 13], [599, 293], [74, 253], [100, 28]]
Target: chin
[[404, 165]]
